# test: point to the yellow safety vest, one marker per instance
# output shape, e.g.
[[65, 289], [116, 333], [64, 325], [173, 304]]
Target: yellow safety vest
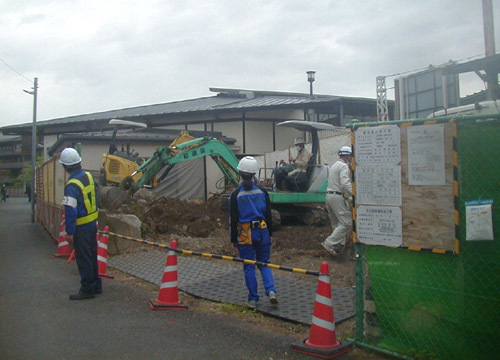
[[89, 200]]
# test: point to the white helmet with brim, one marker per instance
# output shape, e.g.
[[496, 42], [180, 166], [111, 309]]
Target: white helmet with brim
[[345, 151], [70, 156]]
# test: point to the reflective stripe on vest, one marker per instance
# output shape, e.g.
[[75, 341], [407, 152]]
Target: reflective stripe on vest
[[89, 200]]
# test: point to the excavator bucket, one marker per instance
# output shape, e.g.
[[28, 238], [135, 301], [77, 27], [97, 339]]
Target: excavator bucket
[[112, 197], [182, 138]]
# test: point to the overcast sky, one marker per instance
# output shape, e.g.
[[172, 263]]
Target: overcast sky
[[98, 55]]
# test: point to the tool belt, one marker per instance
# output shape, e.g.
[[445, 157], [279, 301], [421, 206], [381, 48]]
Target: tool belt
[[258, 224], [345, 196], [245, 231]]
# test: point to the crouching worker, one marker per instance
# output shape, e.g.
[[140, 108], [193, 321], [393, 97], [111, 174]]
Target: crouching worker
[[251, 222], [81, 211]]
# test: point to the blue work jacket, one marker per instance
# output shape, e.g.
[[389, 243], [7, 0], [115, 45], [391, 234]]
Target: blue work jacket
[[80, 202]]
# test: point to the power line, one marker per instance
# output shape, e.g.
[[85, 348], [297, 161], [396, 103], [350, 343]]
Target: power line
[[17, 72]]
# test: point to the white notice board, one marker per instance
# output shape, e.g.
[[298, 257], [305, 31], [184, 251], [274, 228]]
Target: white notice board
[[378, 145], [378, 185], [426, 155], [379, 225], [479, 220]]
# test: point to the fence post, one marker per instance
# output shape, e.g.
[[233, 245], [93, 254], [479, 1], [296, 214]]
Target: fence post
[[359, 290]]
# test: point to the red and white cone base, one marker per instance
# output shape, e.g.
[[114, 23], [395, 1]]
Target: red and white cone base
[[322, 341], [168, 298], [63, 247], [102, 253]]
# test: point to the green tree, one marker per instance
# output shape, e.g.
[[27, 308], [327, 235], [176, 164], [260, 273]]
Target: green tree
[[24, 178]]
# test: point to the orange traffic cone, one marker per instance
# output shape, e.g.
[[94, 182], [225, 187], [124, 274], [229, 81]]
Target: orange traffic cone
[[322, 341], [102, 253], [63, 248], [168, 298]]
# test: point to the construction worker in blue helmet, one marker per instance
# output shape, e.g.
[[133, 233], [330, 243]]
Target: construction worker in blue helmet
[[251, 223], [81, 211]]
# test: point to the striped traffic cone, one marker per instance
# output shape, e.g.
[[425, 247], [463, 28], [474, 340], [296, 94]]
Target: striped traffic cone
[[63, 248], [168, 298], [102, 253], [322, 341]]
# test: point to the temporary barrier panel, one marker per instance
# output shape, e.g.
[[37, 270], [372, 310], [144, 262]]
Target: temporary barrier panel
[[436, 295]]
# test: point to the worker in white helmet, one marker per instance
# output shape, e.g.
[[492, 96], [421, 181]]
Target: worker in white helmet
[[295, 165], [251, 223], [337, 202], [81, 212]]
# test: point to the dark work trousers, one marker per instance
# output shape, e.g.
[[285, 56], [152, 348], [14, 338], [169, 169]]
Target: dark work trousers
[[280, 175], [85, 244]]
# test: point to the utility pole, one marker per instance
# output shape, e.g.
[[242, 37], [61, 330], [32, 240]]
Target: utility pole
[[489, 46], [33, 150], [33, 147]]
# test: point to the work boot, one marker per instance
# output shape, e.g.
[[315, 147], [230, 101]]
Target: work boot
[[252, 304], [338, 248], [330, 249], [98, 287], [81, 296], [273, 299]]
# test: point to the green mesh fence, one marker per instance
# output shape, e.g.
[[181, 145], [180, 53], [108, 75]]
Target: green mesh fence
[[425, 305]]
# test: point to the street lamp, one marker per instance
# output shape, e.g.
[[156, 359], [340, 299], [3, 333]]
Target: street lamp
[[310, 78], [33, 147]]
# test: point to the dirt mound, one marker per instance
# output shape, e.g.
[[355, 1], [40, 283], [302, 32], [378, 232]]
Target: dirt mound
[[186, 218]]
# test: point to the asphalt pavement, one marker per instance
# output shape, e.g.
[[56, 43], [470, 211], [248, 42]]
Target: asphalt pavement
[[38, 321]]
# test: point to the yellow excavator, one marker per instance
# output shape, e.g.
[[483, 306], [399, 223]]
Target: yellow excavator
[[123, 171], [117, 165]]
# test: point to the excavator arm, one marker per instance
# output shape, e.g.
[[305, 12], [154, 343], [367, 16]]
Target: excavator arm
[[189, 150]]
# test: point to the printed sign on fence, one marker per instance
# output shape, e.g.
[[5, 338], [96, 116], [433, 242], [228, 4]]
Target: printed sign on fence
[[378, 185], [379, 225], [378, 145], [479, 220], [426, 155]]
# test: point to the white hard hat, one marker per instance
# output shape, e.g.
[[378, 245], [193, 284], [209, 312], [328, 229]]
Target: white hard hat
[[248, 165], [69, 156], [345, 150], [298, 141]]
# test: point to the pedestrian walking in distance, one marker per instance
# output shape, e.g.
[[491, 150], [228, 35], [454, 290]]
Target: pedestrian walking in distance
[[339, 193], [28, 192], [251, 223], [4, 193], [81, 211]]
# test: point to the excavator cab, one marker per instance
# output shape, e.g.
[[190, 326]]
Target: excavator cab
[[313, 178], [117, 165], [307, 189]]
